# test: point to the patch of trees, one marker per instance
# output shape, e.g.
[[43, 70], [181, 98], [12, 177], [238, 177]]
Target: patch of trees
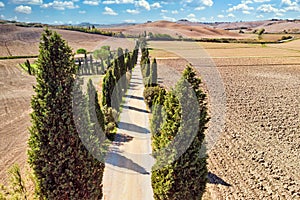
[[160, 36], [87, 30], [62, 126]]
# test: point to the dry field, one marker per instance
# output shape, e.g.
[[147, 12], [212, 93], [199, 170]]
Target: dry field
[[15, 93], [257, 154], [20, 41]]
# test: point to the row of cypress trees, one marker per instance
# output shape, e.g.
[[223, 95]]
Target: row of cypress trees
[[67, 142], [180, 170], [149, 71], [115, 81]]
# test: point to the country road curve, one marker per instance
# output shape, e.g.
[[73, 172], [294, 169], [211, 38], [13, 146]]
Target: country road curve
[[129, 161]]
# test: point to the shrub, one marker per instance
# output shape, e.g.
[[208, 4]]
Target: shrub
[[81, 51], [151, 93], [286, 37]]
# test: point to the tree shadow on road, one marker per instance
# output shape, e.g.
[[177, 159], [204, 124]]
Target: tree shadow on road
[[135, 109], [118, 160], [214, 179], [132, 127], [134, 97], [121, 138]]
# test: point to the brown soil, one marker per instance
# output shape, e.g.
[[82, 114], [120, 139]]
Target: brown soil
[[257, 154], [15, 93], [16, 41]]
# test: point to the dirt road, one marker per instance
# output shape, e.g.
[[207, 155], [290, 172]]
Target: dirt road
[[129, 161]]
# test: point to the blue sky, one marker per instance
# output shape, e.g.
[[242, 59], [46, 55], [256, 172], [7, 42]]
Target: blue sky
[[139, 11]]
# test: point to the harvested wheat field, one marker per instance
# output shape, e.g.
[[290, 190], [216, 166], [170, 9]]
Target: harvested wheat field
[[15, 93], [21, 41], [257, 154]]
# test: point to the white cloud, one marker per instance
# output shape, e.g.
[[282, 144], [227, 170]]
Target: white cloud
[[23, 9], [58, 22], [203, 18], [143, 3], [288, 2], [241, 6], [191, 15], [82, 12], [246, 12], [164, 11], [2, 4], [34, 2], [129, 21], [247, 1], [91, 2], [169, 18], [2, 16], [208, 3], [60, 5], [230, 15], [261, 1], [156, 5], [200, 8], [118, 2], [175, 12], [268, 8], [259, 16], [133, 12], [220, 16], [290, 6], [109, 11]]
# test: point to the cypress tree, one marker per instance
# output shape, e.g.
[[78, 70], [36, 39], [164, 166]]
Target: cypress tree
[[91, 64], [108, 87], [63, 167], [186, 177], [27, 64], [86, 65], [154, 72], [157, 117], [95, 111]]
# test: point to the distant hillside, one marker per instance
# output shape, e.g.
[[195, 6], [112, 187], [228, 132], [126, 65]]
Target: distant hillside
[[16, 40], [271, 26], [176, 30]]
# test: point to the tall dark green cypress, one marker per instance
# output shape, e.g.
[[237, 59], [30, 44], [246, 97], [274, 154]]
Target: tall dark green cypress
[[154, 73], [95, 111], [108, 87], [63, 167], [186, 177]]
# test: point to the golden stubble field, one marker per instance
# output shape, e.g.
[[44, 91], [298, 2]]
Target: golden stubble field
[[257, 155]]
